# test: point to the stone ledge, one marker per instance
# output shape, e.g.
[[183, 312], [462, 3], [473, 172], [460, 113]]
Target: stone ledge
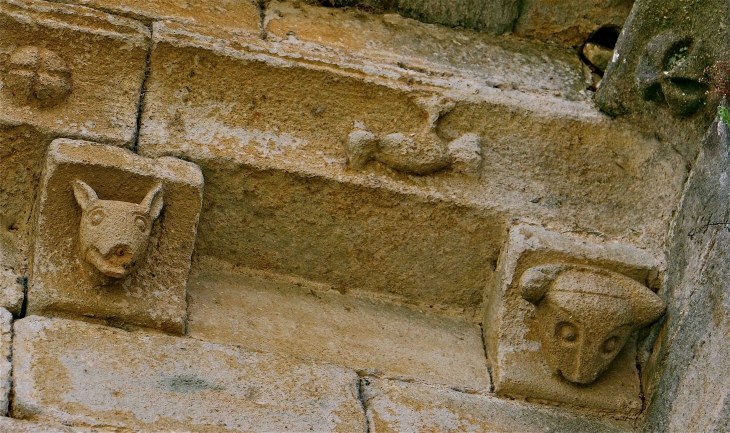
[[93, 376]]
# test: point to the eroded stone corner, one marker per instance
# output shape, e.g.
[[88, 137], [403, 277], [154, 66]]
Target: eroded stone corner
[[562, 320], [114, 235]]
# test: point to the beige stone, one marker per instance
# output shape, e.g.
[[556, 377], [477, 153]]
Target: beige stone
[[22, 149], [101, 251], [528, 360], [407, 50], [12, 425], [53, 59], [598, 55], [278, 314], [269, 125], [90, 375], [12, 291], [408, 407], [241, 15], [569, 22], [6, 335]]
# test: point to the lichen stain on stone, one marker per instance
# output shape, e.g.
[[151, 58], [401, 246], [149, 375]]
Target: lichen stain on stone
[[187, 384]]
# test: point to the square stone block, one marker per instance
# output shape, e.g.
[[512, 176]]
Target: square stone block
[[587, 282], [114, 235], [71, 70]]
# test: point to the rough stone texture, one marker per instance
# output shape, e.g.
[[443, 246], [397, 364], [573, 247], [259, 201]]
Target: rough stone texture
[[410, 51], [12, 425], [655, 76], [6, 335], [276, 314], [512, 337], [569, 22], [686, 379], [407, 407], [154, 294], [242, 15], [89, 375], [12, 291], [496, 16], [268, 125], [100, 56]]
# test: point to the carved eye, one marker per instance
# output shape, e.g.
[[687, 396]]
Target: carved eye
[[610, 345], [141, 223], [566, 332], [96, 217]]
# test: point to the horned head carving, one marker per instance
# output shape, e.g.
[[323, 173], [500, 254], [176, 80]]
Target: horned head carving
[[113, 235], [586, 315]]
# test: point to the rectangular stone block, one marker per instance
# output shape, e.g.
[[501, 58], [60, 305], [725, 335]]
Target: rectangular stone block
[[114, 235], [284, 315], [270, 123], [81, 374], [241, 15], [409, 407], [71, 70], [549, 345], [12, 291], [6, 337]]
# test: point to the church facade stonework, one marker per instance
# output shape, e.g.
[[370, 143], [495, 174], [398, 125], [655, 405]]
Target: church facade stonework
[[364, 216]]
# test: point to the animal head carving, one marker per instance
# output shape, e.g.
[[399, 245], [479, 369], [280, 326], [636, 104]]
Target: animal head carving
[[113, 235], [585, 316]]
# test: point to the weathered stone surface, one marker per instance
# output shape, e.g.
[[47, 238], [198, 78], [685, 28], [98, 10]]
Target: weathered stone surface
[[89, 375], [409, 51], [268, 125], [242, 15], [276, 314], [657, 71], [12, 291], [98, 252], [496, 16], [12, 425], [6, 335], [514, 327], [22, 149], [686, 378], [407, 407], [71, 70], [569, 22]]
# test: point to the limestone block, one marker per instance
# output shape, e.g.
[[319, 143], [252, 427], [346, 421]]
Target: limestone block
[[268, 123], [495, 16], [410, 51], [393, 406], [657, 74], [6, 335], [114, 236], [12, 425], [562, 316], [685, 378], [82, 374], [242, 15], [71, 70], [276, 314], [569, 22], [12, 291]]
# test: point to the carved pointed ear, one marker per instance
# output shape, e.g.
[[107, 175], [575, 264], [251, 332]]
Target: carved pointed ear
[[85, 195], [646, 305], [536, 281], [153, 202]]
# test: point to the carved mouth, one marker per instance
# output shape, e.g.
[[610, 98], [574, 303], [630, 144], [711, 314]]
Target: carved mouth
[[94, 257]]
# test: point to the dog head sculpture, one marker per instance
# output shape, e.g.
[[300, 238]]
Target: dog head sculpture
[[113, 235]]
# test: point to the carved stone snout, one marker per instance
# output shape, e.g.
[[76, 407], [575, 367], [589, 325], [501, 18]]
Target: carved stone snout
[[420, 154], [113, 235], [585, 316]]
